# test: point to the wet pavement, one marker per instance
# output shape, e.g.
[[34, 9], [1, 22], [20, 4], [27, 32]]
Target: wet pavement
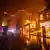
[[7, 42], [17, 43], [13, 43]]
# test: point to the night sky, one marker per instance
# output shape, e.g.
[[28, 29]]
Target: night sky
[[48, 4], [14, 5]]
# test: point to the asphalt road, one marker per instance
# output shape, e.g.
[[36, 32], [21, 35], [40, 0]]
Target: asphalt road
[[16, 43], [11, 42]]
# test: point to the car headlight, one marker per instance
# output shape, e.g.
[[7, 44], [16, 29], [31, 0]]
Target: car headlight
[[12, 30]]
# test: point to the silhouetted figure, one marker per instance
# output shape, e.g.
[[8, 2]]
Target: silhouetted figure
[[5, 28], [44, 36]]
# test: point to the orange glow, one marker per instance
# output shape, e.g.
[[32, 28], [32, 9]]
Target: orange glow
[[27, 42], [26, 22], [33, 23], [27, 27], [5, 13], [3, 24], [32, 26], [33, 38], [41, 24], [41, 17]]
